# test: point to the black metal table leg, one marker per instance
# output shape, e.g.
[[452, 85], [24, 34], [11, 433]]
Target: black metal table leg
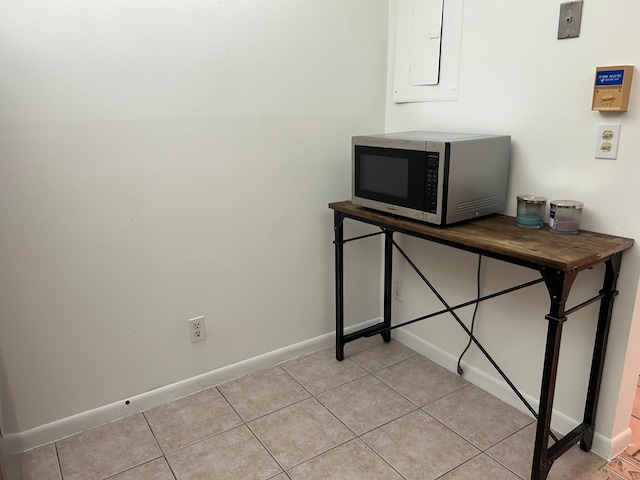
[[558, 284], [388, 280], [602, 333], [338, 220], [541, 462]]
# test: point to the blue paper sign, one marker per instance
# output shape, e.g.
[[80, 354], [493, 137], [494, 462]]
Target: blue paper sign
[[609, 77]]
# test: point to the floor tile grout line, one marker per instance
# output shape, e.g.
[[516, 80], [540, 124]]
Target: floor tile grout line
[[370, 447], [486, 451], [228, 402], [272, 411], [170, 468], [380, 455], [381, 458], [353, 380], [458, 466], [266, 450], [164, 454], [155, 438], [295, 402], [207, 437], [506, 467], [430, 401], [480, 450], [366, 372], [294, 379], [373, 371], [55, 446], [319, 454], [139, 465]]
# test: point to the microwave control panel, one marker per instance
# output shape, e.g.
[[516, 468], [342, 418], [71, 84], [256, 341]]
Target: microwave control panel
[[431, 190]]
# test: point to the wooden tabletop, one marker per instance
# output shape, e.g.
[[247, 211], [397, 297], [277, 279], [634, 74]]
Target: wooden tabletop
[[498, 236]]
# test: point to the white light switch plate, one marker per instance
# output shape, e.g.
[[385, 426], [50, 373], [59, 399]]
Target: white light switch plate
[[607, 140]]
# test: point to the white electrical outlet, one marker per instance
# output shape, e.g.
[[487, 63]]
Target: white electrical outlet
[[197, 330], [397, 289], [607, 140]]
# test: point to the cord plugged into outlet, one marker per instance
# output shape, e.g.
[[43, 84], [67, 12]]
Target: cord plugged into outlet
[[197, 330]]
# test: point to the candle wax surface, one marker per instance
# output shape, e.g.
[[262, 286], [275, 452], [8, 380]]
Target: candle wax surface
[[529, 221]]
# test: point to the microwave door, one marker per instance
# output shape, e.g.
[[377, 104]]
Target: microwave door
[[391, 180]]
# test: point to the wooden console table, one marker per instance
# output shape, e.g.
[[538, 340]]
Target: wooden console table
[[558, 259]]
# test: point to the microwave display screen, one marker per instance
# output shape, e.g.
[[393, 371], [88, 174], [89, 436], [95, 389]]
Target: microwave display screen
[[390, 175], [385, 175]]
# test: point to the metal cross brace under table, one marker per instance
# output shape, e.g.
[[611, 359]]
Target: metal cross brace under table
[[558, 258]]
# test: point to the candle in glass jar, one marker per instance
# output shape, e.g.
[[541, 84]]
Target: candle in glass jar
[[531, 211], [564, 216]]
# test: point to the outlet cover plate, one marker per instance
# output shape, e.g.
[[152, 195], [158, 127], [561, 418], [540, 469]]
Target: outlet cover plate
[[397, 289], [607, 140], [197, 330]]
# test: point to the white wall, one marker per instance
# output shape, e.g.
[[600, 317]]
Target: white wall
[[163, 160], [517, 78]]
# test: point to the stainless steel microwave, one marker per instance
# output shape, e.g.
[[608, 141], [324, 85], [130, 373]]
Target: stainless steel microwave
[[438, 178]]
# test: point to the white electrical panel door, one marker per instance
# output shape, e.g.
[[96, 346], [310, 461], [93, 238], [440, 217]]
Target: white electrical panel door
[[428, 45], [426, 32]]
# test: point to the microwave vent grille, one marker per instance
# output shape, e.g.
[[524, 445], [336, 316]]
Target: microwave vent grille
[[474, 205]]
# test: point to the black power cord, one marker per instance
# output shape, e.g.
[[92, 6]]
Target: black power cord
[[473, 318]]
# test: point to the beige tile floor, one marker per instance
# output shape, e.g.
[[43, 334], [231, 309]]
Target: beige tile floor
[[385, 412]]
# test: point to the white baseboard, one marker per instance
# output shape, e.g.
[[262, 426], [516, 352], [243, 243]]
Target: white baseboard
[[602, 446], [22, 441], [615, 445]]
